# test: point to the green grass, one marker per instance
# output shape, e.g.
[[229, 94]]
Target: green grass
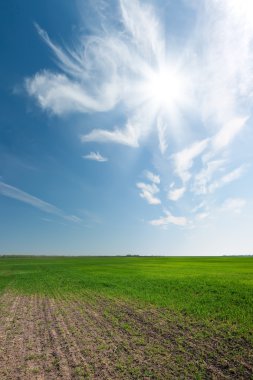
[[211, 289]]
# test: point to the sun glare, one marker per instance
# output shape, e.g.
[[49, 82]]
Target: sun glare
[[165, 88]]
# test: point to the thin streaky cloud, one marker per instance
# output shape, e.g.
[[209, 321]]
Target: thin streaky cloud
[[176, 193], [204, 177], [201, 206], [107, 69], [228, 133], [234, 204], [169, 218], [227, 178], [162, 129], [132, 68], [202, 215], [15, 193], [95, 156], [69, 62], [148, 192], [57, 93], [184, 160], [127, 137], [152, 177]]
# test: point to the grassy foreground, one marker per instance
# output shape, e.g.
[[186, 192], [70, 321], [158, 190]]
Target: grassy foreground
[[209, 289], [126, 318]]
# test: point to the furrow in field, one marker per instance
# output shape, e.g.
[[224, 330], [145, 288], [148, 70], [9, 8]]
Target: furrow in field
[[100, 343], [128, 354], [77, 337], [8, 310], [61, 368], [39, 358], [65, 330], [15, 345], [33, 366], [179, 337]]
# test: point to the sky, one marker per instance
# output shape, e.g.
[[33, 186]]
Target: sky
[[125, 127]]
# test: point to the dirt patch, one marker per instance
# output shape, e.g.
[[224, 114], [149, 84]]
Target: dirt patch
[[98, 338]]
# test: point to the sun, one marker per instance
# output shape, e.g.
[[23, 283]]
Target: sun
[[165, 87]]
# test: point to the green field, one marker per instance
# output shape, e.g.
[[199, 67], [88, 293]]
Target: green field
[[212, 295], [208, 288]]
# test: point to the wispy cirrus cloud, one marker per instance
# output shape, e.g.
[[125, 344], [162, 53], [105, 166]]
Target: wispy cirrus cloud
[[226, 29], [176, 193], [168, 218], [227, 178], [234, 204], [15, 193], [95, 156], [59, 94], [148, 192], [183, 160], [132, 69], [202, 215], [204, 177], [227, 134], [129, 136], [152, 177], [124, 66]]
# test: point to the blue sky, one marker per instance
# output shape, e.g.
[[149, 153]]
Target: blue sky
[[126, 127]]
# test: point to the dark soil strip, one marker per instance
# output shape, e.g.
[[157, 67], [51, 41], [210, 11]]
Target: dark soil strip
[[100, 339]]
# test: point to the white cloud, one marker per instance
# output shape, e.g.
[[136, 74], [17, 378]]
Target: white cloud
[[227, 178], [162, 128], [109, 68], [234, 204], [184, 159], [201, 206], [176, 194], [148, 192], [122, 69], [227, 133], [129, 136], [61, 95], [142, 24], [152, 177], [95, 156], [169, 219], [203, 178], [202, 215], [15, 193], [225, 32]]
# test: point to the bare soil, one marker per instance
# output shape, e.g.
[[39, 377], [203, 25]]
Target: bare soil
[[100, 338]]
